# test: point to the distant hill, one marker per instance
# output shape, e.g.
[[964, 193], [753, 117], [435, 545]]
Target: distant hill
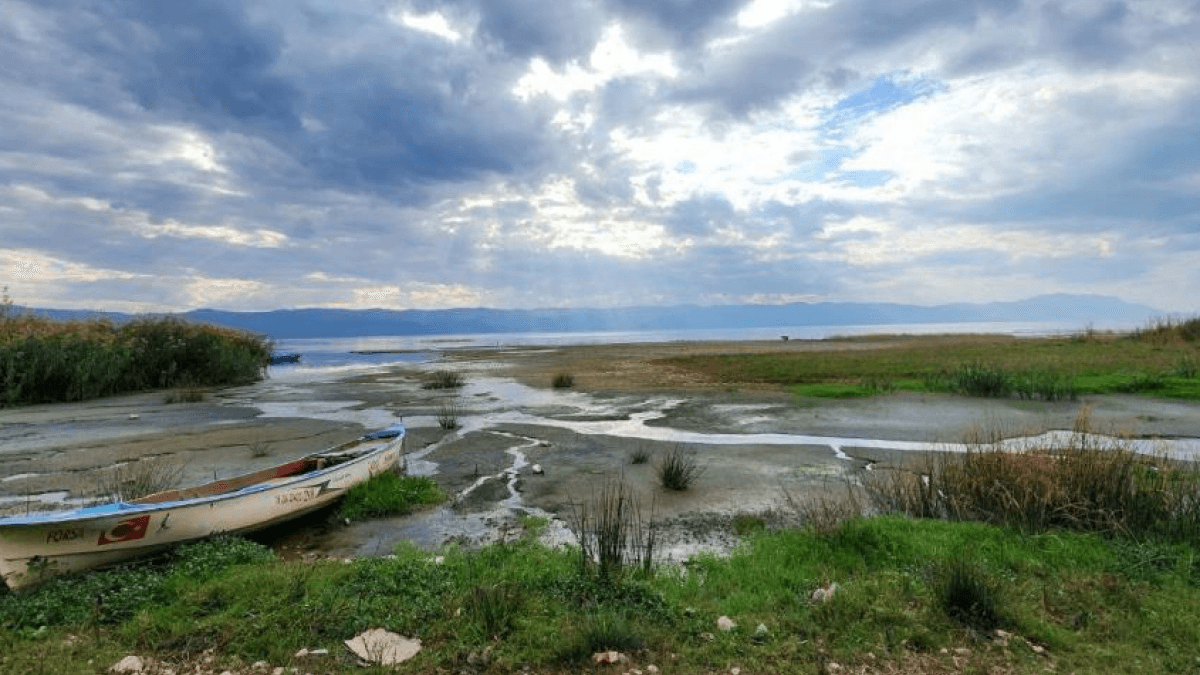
[[317, 322]]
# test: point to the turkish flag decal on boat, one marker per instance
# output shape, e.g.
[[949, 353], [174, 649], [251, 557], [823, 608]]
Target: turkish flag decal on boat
[[126, 530]]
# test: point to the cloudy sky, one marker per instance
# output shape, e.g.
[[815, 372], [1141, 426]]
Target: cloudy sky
[[256, 154]]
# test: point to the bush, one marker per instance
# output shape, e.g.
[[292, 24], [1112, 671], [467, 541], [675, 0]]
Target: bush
[[563, 381]]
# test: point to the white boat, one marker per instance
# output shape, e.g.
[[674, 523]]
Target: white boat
[[38, 546]]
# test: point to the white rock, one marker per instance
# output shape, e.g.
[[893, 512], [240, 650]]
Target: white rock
[[609, 657], [825, 594], [652, 669], [537, 469], [383, 646], [725, 623], [260, 664], [301, 654], [129, 664]]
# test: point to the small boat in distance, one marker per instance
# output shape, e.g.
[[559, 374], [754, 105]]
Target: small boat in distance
[[277, 359], [38, 546]]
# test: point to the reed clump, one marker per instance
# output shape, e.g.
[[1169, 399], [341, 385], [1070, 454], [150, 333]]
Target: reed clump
[[1077, 481], [139, 478], [1170, 329], [48, 361], [678, 469], [612, 533], [447, 415], [445, 379]]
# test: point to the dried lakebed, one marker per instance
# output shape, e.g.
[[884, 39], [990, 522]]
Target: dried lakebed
[[752, 446]]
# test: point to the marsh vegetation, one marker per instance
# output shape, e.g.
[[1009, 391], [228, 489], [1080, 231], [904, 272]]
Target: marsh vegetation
[[1160, 360], [48, 361]]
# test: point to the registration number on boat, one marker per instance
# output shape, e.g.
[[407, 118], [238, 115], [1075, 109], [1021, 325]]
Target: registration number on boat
[[297, 496], [64, 534]]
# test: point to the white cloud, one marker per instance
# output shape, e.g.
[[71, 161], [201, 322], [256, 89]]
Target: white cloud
[[760, 13], [1000, 133], [889, 243], [433, 23], [612, 57]]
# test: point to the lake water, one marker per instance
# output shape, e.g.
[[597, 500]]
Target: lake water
[[354, 352]]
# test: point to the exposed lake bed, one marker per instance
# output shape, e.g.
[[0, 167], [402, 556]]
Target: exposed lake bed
[[525, 448]]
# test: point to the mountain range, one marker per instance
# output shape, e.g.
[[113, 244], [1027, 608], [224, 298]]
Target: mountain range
[[327, 322]]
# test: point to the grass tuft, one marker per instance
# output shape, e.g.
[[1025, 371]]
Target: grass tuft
[[389, 494], [139, 478], [447, 415], [612, 533], [640, 455], [968, 593], [496, 608], [678, 469], [445, 379], [563, 381]]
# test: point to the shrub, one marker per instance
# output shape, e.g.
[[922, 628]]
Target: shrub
[[678, 469], [563, 381]]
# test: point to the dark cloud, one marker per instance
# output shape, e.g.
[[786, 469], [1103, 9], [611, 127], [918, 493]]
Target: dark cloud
[[201, 60], [810, 48], [684, 22], [556, 30]]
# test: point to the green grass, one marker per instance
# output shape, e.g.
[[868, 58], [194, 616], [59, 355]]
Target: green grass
[[389, 494], [906, 589], [1151, 364]]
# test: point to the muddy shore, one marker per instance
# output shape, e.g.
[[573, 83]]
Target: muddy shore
[[526, 448]]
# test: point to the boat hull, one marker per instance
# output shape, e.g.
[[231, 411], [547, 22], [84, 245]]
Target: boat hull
[[37, 547]]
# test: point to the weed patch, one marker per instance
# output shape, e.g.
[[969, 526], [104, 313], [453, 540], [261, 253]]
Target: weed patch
[[389, 494]]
